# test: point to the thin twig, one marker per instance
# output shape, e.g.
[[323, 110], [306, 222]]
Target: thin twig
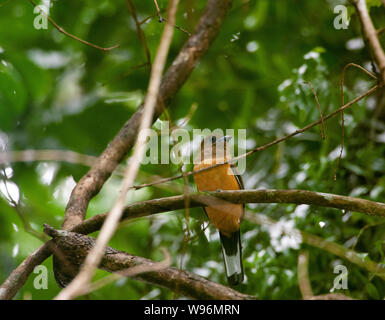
[[158, 11], [60, 29], [162, 20], [177, 74], [303, 275], [180, 28], [268, 145], [6, 2], [189, 115], [126, 73], [370, 225], [342, 83], [323, 134], [140, 32], [28, 228], [186, 192], [380, 31], [148, 18], [16, 206]]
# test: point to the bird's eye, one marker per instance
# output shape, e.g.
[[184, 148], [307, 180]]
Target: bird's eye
[[213, 139]]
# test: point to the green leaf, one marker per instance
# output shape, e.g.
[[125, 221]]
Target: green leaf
[[373, 3], [29, 71], [12, 95], [372, 291]]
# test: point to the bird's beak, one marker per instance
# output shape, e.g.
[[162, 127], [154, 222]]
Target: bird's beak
[[224, 138]]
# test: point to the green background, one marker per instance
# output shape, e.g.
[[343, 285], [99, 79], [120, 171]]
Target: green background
[[57, 93]]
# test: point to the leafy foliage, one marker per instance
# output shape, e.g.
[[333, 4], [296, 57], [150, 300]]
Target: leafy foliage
[[57, 93]]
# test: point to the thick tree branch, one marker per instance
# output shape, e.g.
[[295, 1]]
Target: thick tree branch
[[140, 209], [197, 45], [95, 255], [76, 247], [191, 53], [145, 208], [371, 35]]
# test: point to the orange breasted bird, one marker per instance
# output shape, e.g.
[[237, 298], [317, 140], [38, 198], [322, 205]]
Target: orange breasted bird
[[225, 217]]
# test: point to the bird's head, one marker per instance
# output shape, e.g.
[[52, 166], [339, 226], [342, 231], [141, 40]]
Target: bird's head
[[215, 147]]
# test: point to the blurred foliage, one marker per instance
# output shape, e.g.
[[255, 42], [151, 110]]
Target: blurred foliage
[[57, 93]]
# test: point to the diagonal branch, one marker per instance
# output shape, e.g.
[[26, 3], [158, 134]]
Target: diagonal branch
[[76, 247], [186, 61], [60, 29], [305, 285], [95, 255], [20, 275], [270, 144], [141, 209], [303, 275], [139, 31], [197, 45], [46, 155]]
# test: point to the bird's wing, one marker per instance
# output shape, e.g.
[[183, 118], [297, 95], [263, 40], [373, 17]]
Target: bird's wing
[[233, 167]]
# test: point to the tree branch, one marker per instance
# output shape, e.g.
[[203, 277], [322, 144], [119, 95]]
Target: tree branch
[[303, 275], [372, 36], [197, 45], [76, 247], [47, 155], [270, 144], [20, 275], [194, 49], [305, 285], [60, 29], [139, 31], [140, 209], [149, 207], [83, 278]]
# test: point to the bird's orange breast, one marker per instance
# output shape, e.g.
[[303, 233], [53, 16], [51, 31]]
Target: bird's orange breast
[[226, 218]]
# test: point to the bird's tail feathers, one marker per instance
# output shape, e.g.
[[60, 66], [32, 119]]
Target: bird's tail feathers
[[232, 255]]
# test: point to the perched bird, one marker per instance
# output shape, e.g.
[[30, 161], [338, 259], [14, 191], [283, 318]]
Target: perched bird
[[225, 217]]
